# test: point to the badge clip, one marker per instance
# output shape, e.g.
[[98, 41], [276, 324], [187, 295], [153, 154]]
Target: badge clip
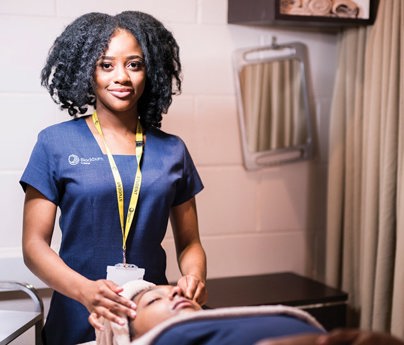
[[122, 273]]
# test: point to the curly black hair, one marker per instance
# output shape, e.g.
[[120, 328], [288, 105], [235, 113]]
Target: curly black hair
[[69, 70]]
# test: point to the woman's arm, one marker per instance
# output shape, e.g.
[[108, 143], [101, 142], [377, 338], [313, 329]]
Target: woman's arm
[[100, 297], [190, 254]]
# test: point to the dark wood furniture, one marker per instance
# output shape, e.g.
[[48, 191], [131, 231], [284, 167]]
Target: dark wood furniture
[[328, 305]]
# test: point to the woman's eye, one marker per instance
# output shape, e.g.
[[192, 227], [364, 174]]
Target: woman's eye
[[152, 301], [106, 65], [136, 65]]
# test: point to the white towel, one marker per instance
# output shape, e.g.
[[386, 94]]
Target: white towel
[[114, 334]]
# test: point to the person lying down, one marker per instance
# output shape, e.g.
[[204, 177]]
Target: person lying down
[[166, 317]]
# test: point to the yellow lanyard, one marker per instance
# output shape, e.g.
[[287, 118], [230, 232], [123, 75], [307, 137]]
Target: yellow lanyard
[[118, 182]]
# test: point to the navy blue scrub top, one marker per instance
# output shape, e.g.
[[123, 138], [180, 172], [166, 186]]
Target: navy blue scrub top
[[68, 167]]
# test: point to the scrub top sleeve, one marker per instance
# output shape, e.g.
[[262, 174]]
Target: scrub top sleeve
[[40, 171], [190, 183]]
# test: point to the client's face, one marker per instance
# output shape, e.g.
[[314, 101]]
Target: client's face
[[158, 304]]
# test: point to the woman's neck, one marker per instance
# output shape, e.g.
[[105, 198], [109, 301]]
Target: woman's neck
[[118, 131], [124, 122]]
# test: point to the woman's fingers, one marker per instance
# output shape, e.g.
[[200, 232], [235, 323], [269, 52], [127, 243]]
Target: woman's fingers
[[201, 295], [118, 298], [113, 313], [96, 321], [109, 315], [193, 288], [104, 301]]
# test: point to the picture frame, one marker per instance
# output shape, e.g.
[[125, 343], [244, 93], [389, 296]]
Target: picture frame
[[269, 12], [338, 12]]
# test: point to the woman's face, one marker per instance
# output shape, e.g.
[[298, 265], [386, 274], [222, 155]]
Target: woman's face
[[159, 304], [120, 74]]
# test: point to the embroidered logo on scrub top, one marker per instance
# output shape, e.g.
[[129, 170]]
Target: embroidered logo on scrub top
[[74, 160]]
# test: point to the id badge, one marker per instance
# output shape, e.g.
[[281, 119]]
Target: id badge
[[122, 273]]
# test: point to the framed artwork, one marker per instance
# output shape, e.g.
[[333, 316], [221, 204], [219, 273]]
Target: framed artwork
[[360, 12]]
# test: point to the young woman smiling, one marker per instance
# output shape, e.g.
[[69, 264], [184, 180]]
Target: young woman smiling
[[115, 176]]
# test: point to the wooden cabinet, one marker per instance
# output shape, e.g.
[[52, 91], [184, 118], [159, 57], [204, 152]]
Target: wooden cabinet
[[326, 304]]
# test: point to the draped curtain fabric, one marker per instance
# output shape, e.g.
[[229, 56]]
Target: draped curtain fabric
[[365, 206], [273, 102]]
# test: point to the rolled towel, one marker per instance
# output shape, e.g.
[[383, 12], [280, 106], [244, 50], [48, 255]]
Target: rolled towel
[[318, 7], [293, 7], [134, 287], [287, 6], [345, 9]]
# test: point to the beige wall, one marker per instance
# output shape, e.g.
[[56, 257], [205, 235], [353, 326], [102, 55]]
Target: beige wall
[[250, 222]]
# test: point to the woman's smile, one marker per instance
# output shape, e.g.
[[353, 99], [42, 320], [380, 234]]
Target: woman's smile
[[121, 92]]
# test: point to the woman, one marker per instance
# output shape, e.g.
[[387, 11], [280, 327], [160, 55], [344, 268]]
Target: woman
[[165, 317], [114, 175]]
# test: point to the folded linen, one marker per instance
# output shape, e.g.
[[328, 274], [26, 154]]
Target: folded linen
[[318, 7]]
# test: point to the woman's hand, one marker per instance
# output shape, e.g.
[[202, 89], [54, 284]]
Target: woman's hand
[[193, 288], [102, 299]]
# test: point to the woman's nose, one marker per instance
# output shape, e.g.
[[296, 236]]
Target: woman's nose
[[176, 291], [121, 75]]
